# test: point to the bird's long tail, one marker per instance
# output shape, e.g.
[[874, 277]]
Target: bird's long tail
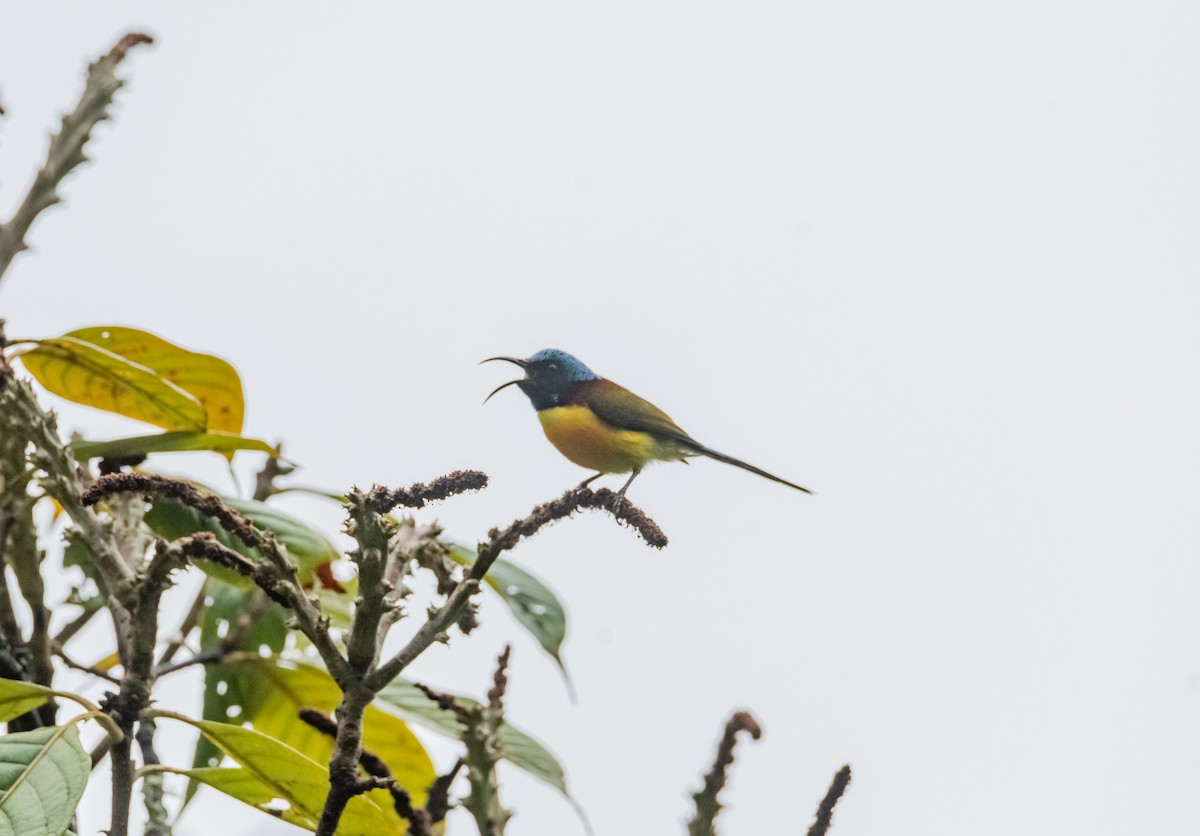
[[721, 457]]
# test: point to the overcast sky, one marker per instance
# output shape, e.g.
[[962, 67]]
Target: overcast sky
[[936, 261]]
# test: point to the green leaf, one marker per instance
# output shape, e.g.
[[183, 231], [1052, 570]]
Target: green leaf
[[308, 548], [42, 776], [210, 380], [268, 632], [84, 373], [17, 698], [532, 603], [521, 750], [169, 442], [270, 770]]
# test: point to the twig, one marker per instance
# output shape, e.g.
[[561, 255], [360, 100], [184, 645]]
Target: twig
[[418, 820], [381, 500], [185, 627], [707, 805], [73, 626], [273, 468], [66, 147], [439, 804], [88, 669], [825, 812], [258, 605]]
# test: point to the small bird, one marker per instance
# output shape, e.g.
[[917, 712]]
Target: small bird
[[603, 426]]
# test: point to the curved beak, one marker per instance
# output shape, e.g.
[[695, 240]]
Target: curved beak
[[501, 386], [513, 360]]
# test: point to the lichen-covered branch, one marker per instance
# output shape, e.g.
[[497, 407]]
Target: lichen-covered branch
[[66, 147], [707, 805]]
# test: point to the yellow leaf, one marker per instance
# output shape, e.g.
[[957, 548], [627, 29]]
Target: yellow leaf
[[273, 691], [108, 662], [85, 373], [210, 380], [272, 770]]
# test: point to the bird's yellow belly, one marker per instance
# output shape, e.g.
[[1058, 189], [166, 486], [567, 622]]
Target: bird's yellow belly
[[589, 442]]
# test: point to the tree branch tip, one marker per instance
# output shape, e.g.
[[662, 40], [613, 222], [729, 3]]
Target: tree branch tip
[[381, 500], [837, 788], [127, 42], [495, 695]]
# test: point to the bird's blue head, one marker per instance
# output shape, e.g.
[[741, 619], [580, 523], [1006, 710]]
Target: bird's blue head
[[550, 377]]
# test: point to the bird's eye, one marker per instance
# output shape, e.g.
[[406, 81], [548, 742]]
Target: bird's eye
[[553, 367]]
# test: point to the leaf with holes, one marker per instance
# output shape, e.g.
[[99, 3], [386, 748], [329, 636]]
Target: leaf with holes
[[532, 603], [269, 693], [210, 380], [17, 698], [85, 373], [42, 776], [272, 770], [267, 632], [179, 441]]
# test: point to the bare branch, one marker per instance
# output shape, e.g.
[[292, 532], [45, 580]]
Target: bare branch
[[66, 147]]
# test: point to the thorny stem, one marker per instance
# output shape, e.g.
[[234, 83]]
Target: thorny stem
[[66, 147], [707, 805]]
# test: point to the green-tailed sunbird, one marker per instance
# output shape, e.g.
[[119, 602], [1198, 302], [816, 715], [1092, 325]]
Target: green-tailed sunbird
[[603, 426]]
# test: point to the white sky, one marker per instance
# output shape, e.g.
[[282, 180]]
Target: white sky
[[936, 261]]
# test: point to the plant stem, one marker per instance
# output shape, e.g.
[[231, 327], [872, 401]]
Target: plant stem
[[66, 147]]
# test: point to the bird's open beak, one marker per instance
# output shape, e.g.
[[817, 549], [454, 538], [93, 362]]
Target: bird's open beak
[[515, 360]]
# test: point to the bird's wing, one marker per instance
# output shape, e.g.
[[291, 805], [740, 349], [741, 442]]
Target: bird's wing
[[618, 407]]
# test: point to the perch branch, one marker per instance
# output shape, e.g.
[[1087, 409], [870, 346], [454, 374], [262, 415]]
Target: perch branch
[[500, 541]]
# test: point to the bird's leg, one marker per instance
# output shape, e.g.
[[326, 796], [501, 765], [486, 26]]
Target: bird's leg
[[588, 481], [625, 487]]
